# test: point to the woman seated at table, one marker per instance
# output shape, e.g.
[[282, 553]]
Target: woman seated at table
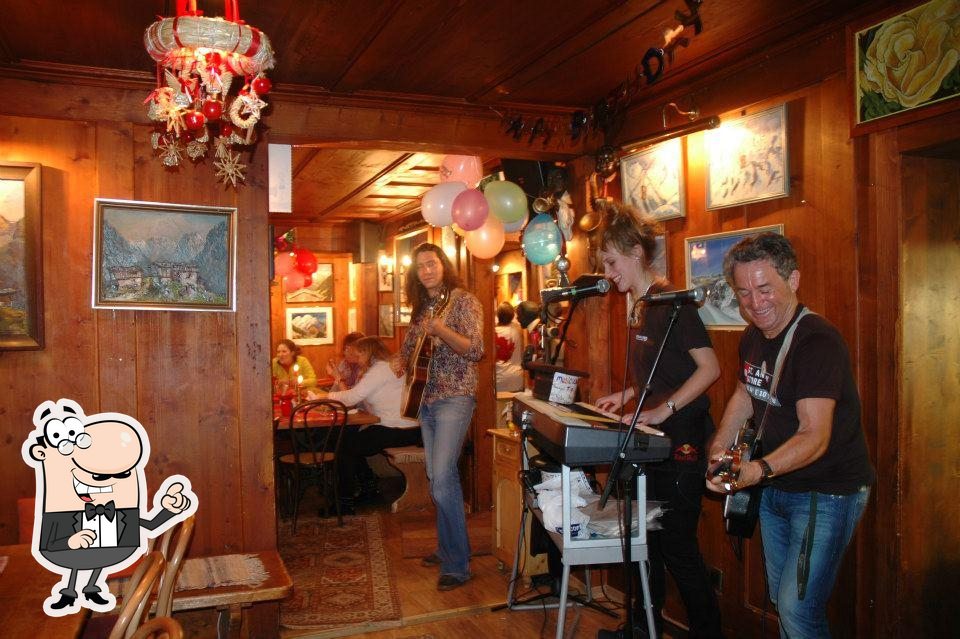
[[380, 391], [288, 364], [346, 373]]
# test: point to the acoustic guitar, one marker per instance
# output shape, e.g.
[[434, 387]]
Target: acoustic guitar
[[418, 370], [741, 509]]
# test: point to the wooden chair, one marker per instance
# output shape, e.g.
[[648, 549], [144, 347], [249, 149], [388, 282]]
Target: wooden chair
[[315, 432], [125, 623], [159, 628], [173, 546]]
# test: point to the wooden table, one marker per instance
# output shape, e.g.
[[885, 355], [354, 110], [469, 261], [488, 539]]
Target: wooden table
[[231, 600], [317, 419], [24, 585]]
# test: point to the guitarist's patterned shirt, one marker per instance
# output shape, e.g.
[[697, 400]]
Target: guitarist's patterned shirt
[[451, 374]]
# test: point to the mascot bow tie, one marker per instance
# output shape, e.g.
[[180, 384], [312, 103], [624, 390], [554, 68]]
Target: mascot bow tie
[[108, 510]]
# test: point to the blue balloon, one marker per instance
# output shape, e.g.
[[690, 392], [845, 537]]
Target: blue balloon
[[541, 240]]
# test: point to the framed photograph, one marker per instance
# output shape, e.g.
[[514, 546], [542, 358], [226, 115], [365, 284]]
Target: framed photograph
[[384, 273], [320, 289], [511, 287], [450, 243], [704, 262], [652, 180], [403, 246], [164, 257], [747, 159], [310, 325], [385, 315], [351, 320], [21, 258], [904, 63]]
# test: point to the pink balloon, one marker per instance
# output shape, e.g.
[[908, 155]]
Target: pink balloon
[[470, 209], [461, 168], [486, 241], [284, 262], [436, 204], [294, 280]]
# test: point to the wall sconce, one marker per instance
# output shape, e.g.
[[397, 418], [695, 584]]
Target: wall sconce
[[693, 126]]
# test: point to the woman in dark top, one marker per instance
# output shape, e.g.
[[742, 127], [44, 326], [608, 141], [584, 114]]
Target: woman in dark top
[[677, 405]]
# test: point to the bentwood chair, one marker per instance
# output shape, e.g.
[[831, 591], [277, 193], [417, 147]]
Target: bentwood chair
[[173, 546], [315, 430], [159, 628], [133, 604]]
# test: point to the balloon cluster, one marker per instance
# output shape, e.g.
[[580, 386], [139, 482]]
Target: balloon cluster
[[294, 265], [483, 217]]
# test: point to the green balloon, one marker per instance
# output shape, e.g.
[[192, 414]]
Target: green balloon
[[507, 201]]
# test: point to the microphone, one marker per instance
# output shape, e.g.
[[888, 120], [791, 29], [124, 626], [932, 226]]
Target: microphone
[[695, 295], [585, 286]]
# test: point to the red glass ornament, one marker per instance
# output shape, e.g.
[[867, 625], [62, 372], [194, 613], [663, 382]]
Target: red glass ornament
[[194, 120], [212, 109], [226, 129], [261, 85], [214, 59]]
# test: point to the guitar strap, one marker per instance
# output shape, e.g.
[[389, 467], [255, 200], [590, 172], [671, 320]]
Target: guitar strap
[[778, 366]]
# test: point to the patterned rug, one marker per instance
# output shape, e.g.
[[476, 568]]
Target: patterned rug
[[340, 576]]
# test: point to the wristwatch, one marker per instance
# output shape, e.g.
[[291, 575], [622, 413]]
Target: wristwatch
[[765, 467], [672, 405]]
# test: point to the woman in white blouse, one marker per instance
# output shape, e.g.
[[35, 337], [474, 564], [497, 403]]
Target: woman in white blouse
[[380, 391]]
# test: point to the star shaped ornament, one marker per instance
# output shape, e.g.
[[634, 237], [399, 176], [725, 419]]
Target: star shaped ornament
[[229, 169]]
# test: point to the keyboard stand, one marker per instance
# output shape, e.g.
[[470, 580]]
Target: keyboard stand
[[578, 552]]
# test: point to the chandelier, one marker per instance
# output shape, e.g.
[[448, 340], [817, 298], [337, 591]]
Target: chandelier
[[199, 60]]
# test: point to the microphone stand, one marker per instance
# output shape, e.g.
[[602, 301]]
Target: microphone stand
[[628, 473]]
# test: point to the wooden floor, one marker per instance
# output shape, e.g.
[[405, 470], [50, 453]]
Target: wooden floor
[[430, 614]]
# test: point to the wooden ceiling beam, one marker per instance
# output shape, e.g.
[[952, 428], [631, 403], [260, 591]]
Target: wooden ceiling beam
[[405, 123], [368, 186]]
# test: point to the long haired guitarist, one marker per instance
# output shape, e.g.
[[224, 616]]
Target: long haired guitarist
[[814, 464], [449, 319]]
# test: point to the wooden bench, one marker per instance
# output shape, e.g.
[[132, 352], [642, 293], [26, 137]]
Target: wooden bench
[[410, 461]]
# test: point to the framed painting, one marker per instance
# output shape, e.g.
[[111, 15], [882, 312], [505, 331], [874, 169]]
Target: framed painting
[[164, 257], [320, 289], [310, 325], [511, 287], [704, 263], [904, 63], [747, 159], [21, 258], [652, 180], [385, 320], [384, 273], [403, 246]]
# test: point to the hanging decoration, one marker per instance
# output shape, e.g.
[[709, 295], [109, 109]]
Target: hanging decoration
[[292, 264], [199, 60]]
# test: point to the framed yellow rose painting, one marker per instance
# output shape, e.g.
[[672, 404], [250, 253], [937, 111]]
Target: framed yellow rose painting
[[906, 62]]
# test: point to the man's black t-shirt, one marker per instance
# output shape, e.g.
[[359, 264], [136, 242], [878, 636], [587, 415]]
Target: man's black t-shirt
[[817, 366], [689, 429]]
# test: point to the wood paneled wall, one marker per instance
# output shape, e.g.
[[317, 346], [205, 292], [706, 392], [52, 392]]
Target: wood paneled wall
[[196, 381]]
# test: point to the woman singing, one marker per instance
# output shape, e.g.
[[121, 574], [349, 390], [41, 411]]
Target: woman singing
[[677, 404], [450, 317]]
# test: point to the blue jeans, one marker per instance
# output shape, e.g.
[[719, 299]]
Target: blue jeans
[[784, 519], [444, 425]]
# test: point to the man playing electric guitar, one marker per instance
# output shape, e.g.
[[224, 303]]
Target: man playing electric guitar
[[815, 463], [448, 396]]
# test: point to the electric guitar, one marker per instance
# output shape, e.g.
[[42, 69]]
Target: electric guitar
[[741, 508], [418, 371]]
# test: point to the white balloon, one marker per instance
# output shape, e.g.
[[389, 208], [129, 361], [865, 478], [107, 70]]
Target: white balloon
[[436, 204]]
